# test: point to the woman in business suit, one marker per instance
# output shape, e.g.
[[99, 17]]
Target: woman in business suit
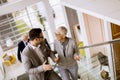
[[35, 57], [67, 51]]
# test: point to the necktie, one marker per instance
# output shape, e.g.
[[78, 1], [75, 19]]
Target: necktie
[[64, 50], [64, 44]]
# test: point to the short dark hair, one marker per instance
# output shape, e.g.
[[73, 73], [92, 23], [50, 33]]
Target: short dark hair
[[34, 33]]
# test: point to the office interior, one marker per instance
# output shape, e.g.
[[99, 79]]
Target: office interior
[[94, 24]]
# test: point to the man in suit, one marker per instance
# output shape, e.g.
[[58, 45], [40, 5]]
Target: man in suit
[[21, 46], [67, 51], [35, 57]]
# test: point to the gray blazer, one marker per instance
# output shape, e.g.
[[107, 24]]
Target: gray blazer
[[70, 50], [33, 62]]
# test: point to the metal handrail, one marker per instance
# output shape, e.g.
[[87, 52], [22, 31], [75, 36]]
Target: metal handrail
[[10, 19], [12, 27], [99, 44]]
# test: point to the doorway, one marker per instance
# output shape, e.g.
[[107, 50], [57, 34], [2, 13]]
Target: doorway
[[116, 46]]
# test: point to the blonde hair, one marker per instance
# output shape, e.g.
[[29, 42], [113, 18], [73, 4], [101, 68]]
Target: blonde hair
[[62, 30]]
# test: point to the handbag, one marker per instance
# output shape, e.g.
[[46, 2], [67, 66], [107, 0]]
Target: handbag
[[105, 75]]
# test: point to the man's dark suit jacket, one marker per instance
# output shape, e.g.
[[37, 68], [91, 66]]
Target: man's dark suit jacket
[[21, 46]]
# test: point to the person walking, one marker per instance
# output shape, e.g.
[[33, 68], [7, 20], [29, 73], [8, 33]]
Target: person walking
[[35, 58], [21, 46], [68, 54]]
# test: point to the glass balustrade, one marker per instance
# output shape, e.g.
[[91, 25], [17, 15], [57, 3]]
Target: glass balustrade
[[100, 61]]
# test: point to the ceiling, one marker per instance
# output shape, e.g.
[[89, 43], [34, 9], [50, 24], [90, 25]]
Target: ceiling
[[16, 5], [108, 10]]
